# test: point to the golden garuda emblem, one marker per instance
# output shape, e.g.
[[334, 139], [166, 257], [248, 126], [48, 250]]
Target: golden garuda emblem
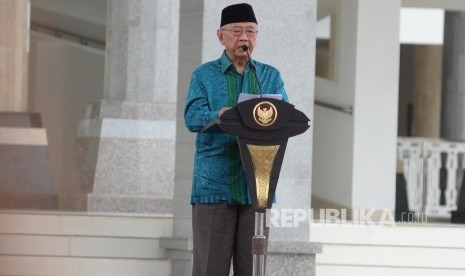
[[265, 113]]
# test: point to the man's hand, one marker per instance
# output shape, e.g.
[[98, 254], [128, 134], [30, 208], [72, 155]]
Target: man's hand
[[222, 110]]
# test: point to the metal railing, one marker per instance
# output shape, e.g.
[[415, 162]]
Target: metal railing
[[434, 171]]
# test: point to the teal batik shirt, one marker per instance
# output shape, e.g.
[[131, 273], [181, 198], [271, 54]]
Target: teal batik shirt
[[218, 174]]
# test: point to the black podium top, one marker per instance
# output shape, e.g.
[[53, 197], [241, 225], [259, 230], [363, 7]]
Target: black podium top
[[261, 119]]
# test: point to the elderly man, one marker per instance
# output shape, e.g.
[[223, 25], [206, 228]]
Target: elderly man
[[222, 216]]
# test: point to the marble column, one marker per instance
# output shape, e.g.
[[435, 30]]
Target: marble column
[[453, 81], [126, 144], [14, 47]]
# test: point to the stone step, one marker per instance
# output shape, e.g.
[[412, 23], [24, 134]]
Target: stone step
[[404, 249], [34, 243], [65, 266], [415, 235], [341, 270], [79, 246], [392, 256], [85, 224]]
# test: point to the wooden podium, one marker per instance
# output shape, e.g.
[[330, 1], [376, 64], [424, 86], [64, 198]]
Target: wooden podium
[[262, 126]]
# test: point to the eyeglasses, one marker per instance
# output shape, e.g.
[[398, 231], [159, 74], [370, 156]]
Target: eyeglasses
[[238, 31]]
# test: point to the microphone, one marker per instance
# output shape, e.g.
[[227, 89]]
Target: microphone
[[245, 48]]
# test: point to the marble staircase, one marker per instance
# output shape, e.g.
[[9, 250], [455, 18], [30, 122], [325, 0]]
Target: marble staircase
[[408, 249], [55, 243]]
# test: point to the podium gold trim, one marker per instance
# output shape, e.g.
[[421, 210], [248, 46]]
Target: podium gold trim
[[263, 159]]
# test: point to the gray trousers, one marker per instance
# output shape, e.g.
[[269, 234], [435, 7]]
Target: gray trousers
[[222, 232]]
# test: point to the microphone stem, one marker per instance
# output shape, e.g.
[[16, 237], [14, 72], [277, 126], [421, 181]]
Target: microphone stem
[[255, 74]]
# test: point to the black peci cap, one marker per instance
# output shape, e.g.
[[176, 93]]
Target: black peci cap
[[237, 13]]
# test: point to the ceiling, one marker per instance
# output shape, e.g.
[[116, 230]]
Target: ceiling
[[86, 18]]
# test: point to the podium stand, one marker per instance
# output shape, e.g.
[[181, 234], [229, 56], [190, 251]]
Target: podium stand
[[262, 126]]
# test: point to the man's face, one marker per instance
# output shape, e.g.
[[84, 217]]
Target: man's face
[[233, 36]]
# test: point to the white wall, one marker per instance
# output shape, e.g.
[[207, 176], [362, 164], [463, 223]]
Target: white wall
[[357, 153], [421, 26], [333, 135], [63, 78], [332, 156]]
